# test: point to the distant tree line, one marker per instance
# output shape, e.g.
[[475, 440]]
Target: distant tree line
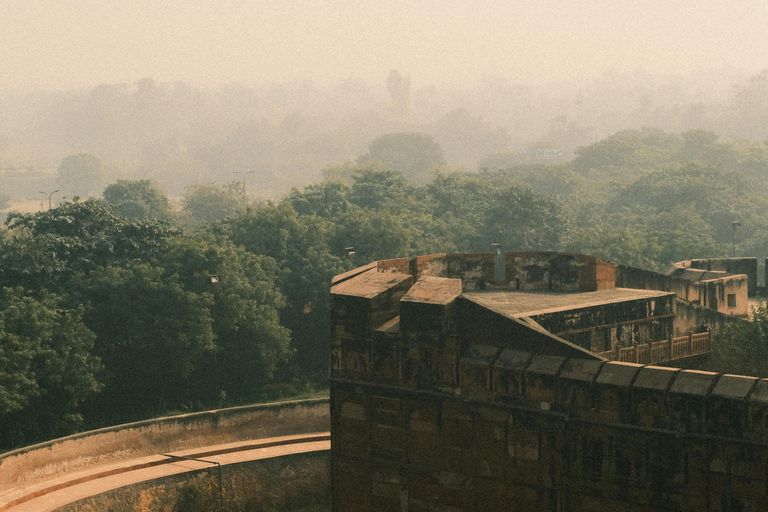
[[125, 307]]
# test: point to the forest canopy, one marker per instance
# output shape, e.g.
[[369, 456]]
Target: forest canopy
[[129, 300]]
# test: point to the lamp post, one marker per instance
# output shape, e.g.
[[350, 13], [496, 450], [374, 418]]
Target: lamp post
[[49, 196], [245, 197]]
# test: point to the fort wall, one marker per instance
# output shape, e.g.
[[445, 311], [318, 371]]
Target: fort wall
[[58, 457], [534, 432]]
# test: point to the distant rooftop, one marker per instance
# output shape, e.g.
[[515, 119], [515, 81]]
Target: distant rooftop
[[526, 303]]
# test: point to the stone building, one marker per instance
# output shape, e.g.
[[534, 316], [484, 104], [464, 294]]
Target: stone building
[[481, 382], [716, 283]]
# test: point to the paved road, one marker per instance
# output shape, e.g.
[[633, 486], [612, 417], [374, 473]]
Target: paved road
[[51, 494]]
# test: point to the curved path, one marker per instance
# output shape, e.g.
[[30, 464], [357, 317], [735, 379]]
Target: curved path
[[52, 494]]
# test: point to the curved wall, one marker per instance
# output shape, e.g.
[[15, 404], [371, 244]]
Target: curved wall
[[288, 483], [22, 467]]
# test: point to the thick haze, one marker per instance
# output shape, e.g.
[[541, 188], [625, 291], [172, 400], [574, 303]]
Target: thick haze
[[287, 91], [72, 44]]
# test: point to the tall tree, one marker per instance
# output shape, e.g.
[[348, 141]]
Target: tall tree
[[300, 245], [47, 248], [46, 367], [206, 203], [80, 175], [140, 199], [412, 154], [151, 333]]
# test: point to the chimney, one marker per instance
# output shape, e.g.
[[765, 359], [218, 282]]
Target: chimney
[[500, 264]]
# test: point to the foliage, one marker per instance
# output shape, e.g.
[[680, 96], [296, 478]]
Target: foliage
[[375, 189], [412, 154], [741, 347], [300, 245], [48, 248], [150, 335], [80, 175], [141, 199], [633, 150], [46, 367], [712, 195], [509, 214], [246, 301], [207, 203], [327, 199]]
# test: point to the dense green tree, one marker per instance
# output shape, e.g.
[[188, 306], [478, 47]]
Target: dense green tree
[[375, 235], [150, 334], [717, 196], [80, 175], [300, 245], [209, 202], [412, 154], [250, 341], [629, 151], [140, 199], [377, 189], [509, 214], [48, 248], [741, 347], [46, 367], [327, 199]]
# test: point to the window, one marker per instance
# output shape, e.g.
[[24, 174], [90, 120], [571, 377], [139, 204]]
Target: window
[[592, 457], [731, 300]]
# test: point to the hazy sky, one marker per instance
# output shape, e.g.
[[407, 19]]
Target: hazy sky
[[54, 44]]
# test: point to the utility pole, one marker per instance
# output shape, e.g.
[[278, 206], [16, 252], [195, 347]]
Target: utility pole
[[49, 196], [734, 226]]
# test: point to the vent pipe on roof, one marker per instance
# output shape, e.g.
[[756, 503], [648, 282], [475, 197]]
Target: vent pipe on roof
[[500, 264]]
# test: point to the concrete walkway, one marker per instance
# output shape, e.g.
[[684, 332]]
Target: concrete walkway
[[51, 494]]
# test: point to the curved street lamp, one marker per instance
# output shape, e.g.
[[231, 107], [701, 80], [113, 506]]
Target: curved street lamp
[[49, 196]]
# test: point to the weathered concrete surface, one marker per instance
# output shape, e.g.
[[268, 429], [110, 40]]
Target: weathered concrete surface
[[288, 483], [52, 494], [27, 466]]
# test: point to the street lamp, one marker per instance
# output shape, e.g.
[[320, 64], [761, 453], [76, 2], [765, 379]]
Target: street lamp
[[49, 196], [245, 197]]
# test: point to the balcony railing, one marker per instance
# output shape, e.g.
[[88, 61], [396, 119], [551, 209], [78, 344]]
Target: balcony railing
[[665, 350]]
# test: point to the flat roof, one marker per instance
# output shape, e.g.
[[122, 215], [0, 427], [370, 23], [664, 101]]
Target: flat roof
[[523, 303], [369, 284], [434, 290]]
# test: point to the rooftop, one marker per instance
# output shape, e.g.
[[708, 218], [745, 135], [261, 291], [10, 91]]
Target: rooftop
[[369, 284], [526, 303]]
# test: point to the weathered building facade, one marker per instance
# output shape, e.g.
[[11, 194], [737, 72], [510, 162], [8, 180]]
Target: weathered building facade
[[461, 382], [721, 284]]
